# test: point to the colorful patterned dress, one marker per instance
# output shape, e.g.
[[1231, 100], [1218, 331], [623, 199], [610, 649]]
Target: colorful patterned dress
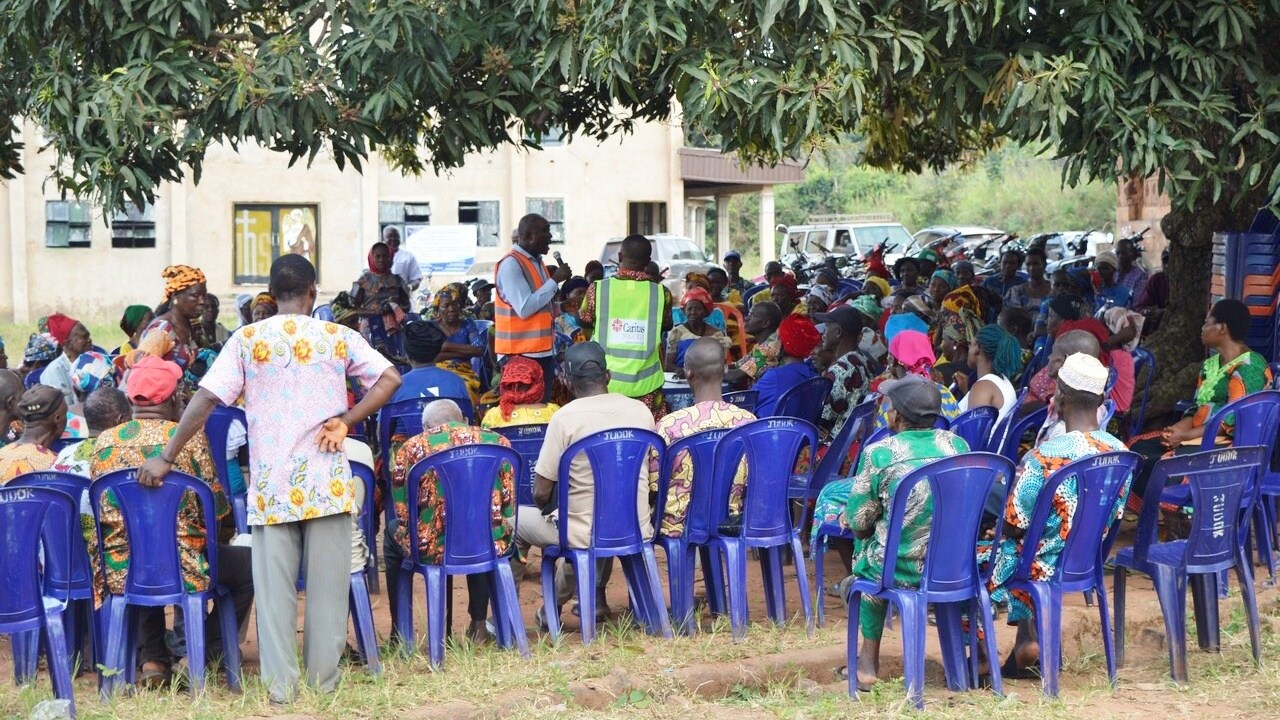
[[683, 423], [18, 458], [1037, 465], [431, 517], [882, 467], [850, 377], [128, 446]]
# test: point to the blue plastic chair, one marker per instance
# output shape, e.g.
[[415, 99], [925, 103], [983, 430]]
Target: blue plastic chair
[[216, 429], [700, 448], [1108, 412], [1221, 484], [745, 399], [527, 441], [771, 446], [32, 379], [407, 416], [677, 398], [26, 612], [950, 579], [70, 582], [1100, 481], [1001, 427], [804, 401], [1142, 359], [617, 458], [155, 573], [751, 292], [466, 477], [323, 312], [361, 607], [57, 445], [975, 426], [1015, 428]]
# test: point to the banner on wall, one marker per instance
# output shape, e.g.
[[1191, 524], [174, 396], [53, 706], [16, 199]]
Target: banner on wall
[[442, 248]]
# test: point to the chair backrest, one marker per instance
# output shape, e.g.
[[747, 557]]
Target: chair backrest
[[996, 439], [1111, 381], [151, 522], [1142, 358], [617, 458], [958, 485], [1257, 420], [752, 292], [466, 475], [805, 400], [24, 514], [771, 446], [407, 416], [745, 399], [1039, 358], [59, 444], [856, 427], [700, 448], [1108, 412], [323, 312], [216, 429], [1099, 481], [974, 425], [32, 379], [1222, 482], [678, 398], [66, 564], [367, 521], [527, 441], [739, 338], [1017, 427]]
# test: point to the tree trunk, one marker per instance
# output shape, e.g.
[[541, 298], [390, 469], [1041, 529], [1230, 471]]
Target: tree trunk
[[1176, 345]]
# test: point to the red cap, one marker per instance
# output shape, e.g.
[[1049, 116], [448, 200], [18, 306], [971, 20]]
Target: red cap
[[152, 381]]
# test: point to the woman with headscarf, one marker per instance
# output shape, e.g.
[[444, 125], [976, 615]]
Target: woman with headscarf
[[244, 304], [715, 317], [799, 337], [910, 353], [263, 306], [40, 351], [171, 335], [43, 411], [568, 323], [1126, 331], [520, 396], [697, 305], [941, 283], [464, 339], [997, 357], [958, 323], [785, 293], [132, 323], [378, 286], [91, 371]]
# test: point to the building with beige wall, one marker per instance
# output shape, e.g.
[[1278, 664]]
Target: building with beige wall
[[250, 206]]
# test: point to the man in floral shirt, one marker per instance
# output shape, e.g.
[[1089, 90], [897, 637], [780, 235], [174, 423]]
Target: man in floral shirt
[[291, 370], [444, 427]]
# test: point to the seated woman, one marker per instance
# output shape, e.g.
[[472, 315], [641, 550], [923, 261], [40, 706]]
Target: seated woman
[[697, 306], [43, 411], [942, 283], [1231, 372], [520, 396], [997, 357], [1082, 380], [569, 322], [464, 339], [958, 321], [135, 319], [911, 354], [715, 316], [799, 338], [262, 307]]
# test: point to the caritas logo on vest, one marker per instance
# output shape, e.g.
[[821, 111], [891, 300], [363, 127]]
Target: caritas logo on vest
[[629, 332]]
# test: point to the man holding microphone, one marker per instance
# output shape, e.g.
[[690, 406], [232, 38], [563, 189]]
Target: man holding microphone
[[523, 307]]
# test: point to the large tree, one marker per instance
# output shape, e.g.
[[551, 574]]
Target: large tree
[[130, 93]]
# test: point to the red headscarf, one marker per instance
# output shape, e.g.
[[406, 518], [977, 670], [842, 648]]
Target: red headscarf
[[373, 269], [799, 336], [1092, 326], [786, 281], [60, 327], [700, 295], [522, 384]]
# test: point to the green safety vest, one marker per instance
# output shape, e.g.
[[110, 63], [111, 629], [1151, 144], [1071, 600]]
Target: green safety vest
[[628, 323]]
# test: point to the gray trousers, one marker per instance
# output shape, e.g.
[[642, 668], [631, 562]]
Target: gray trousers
[[322, 548], [534, 528]]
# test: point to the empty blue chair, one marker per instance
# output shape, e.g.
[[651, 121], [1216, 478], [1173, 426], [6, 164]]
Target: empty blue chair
[[804, 401], [680, 550], [527, 441], [26, 612], [361, 607], [975, 426], [216, 429], [68, 575], [1099, 482], [155, 572], [1222, 483], [745, 399], [950, 578], [771, 447], [466, 475], [617, 458], [1143, 360]]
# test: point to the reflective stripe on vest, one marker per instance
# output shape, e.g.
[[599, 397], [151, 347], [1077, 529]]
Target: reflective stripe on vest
[[512, 334], [630, 321]]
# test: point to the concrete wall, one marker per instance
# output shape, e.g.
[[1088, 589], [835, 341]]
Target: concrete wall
[[194, 223]]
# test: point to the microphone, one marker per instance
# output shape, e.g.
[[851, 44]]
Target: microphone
[[559, 260]]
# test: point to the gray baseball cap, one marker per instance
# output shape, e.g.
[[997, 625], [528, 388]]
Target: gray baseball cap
[[914, 397], [579, 358]]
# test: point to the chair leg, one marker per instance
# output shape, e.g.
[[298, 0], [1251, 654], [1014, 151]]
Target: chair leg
[[116, 645], [1108, 641], [59, 663], [771, 576], [851, 643], [26, 655], [817, 554], [404, 610], [993, 650], [584, 567], [550, 605], [437, 611], [951, 640], [915, 618], [1171, 590], [680, 582], [225, 607], [1121, 575], [802, 577], [735, 555], [1204, 599], [658, 604], [1048, 610], [362, 620], [713, 580], [193, 611], [503, 583], [1250, 597], [638, 594]]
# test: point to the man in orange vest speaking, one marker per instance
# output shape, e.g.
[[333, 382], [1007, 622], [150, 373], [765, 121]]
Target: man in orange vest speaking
[[522, 308]]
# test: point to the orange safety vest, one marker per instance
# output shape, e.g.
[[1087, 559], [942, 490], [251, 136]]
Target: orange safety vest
[[514, 335]]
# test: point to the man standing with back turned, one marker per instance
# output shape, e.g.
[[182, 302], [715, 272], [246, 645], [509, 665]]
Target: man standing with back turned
[[522, 308], [292, 372]]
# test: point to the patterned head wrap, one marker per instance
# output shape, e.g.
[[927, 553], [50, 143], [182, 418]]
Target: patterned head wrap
[[911, 348], [522, 384], [180, 277], [868, 306], [697, 279], [947, 277], [453, 291], [264, 299], [697, 294], [41, 348], [1117, 319], [92, 370]]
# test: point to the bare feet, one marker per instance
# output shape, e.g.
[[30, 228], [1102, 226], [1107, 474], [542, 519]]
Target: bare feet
[[477, 633], [868, 667]]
